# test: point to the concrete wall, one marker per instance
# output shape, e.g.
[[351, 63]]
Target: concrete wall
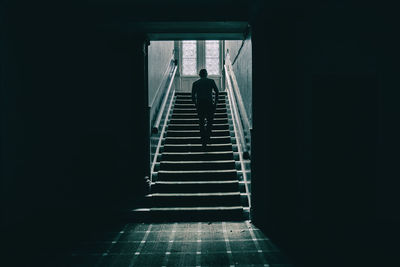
[[159, 68], [243, 70], [160, 54]]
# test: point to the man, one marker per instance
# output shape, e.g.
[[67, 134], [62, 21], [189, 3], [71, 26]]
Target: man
[[203, 99]]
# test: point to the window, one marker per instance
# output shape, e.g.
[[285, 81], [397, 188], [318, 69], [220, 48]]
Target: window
[[189, 57], [212, 57], [198, 55]]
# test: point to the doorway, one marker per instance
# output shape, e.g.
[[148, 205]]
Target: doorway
[[195, 55], [229, 64]]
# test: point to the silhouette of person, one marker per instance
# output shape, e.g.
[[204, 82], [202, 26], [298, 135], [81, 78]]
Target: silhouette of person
[[203, 99]]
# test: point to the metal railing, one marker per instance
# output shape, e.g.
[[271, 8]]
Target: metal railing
[[240, 120], [156, 127], [168, 75], [243, 123]]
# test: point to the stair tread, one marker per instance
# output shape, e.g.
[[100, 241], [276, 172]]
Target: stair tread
[[192, 119], [192, 113], [199, 208], [193, 137], [193, 194], [195, 182], [197, 161], [223, 144], [195, 124], [191, 131], [194, 108], [189, 208], [198, 153], [199, 171]]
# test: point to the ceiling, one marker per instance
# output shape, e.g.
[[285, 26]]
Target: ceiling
[[217, 30]]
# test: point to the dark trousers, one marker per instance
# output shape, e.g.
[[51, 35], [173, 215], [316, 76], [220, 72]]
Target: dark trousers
[[205, 110]]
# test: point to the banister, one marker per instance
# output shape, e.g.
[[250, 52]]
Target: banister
[[164, 125], [238, 129], [242, 117], [156, 125], [234, 109], [238, 96], [161, 86]]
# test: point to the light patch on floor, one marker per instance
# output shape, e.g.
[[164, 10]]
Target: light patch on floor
[[181, 244]]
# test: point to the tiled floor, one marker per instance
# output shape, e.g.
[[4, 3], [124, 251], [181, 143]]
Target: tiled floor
[[180, 244]]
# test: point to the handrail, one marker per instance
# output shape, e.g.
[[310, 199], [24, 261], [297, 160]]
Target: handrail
[[238, 97], [234, 108], [243, 119], [156, 125], [164, 77], [164, 125], [238, 129]]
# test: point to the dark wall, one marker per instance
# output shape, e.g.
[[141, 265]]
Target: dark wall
[[74, 109], [73, 122], [323, 138], [325, 113]]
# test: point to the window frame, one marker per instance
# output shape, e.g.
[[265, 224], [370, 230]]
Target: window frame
[[219, 58], [181, 57], [201, 57]]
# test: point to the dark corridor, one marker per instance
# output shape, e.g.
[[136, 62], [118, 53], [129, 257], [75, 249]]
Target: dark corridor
[[325, 144]]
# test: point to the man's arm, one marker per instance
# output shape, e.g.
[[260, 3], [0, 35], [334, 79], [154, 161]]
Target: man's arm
[[216, 92]]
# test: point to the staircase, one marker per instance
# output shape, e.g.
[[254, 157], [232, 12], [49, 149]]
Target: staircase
[[190, 183]]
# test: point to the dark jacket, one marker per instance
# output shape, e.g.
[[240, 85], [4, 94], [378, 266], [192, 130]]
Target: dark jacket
[[202, 91]]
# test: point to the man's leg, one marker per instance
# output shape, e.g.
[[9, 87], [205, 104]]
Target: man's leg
[[202, 128], [210, 120]]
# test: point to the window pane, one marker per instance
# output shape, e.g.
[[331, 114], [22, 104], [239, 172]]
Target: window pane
[[212, 66], [189, 58], [212, 57], [212, 48], [189, 66]]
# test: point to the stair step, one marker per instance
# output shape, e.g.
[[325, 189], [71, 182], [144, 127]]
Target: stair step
[[191, 105], [196, 147], [170, 126], [195, 183], [181, 156], [197, 165], [196, 121], [189, 97], [228, 213], [190, 93], [194, 199], [195, 116], [196, 132], [195, 186], [197, 175], [190, 101], [193, 110], [196, 140]]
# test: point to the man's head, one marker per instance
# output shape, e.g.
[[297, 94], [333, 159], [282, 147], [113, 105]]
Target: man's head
[[203, 73]]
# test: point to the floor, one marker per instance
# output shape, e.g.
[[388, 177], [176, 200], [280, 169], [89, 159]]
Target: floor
[[180, 244]]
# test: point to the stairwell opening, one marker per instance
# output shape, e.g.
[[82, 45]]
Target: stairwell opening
[[185, 181]]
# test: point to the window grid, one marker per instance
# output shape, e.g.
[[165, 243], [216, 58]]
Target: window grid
[[212, 57], [189, 57]]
